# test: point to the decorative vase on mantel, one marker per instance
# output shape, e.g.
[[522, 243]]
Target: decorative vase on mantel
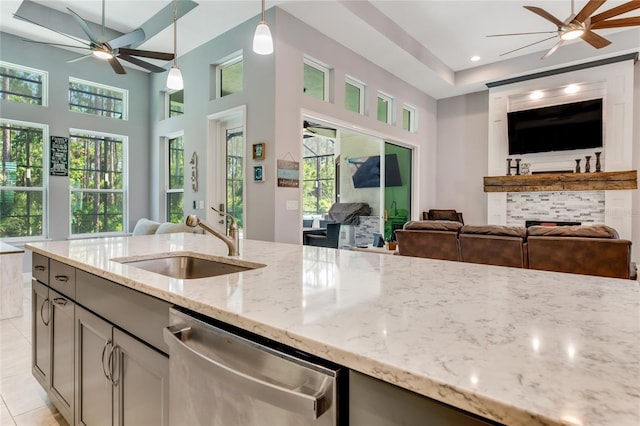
[[587, 165], [598, 165], [578, 165]]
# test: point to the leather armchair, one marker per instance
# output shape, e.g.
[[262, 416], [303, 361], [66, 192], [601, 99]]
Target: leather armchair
[[442, 214]]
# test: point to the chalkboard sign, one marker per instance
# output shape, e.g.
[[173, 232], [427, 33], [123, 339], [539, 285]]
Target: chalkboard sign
[[59, 156]]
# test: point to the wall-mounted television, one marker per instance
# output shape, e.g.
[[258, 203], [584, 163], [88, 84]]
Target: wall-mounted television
[[563, 127], [365, 171]]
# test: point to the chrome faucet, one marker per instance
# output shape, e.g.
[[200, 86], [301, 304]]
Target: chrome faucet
[[232, 240]]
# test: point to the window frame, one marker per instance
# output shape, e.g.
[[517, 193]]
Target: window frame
[[324, 69], [45, 181], [125, 97], [44, 83], [360, 85], [125, 185], [169, 93], [317, 159], [234, 59], [169, 190], [413, 118], [390, 110]]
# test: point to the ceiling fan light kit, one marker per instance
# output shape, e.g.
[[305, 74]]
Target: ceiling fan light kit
[[262, 40], [174, 78], [102, 53], [572, 32]]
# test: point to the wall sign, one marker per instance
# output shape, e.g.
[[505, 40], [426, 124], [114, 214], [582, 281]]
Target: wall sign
[[59, 156], [288, 174]]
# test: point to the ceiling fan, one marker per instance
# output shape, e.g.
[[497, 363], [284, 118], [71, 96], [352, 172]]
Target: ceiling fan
[[109, 50], [314, 129], [581, 25]]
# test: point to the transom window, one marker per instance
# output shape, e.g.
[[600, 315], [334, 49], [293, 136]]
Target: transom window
[[385, 108], [22, 84], [176, 103], [98, 176], [319, 191], [97, 99], [229, 76], [23, 180], [409, 118], [316, 79], [175, 187], [354, 95]]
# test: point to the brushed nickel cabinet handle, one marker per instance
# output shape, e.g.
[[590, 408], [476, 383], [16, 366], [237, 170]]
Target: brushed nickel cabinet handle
[[60, 301], [39, 268], [45, 302], [62, 278], [104, 368]]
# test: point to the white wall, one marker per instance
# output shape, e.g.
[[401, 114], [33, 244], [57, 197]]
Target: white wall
[[462, 156]]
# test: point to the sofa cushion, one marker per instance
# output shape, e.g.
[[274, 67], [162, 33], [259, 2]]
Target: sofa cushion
[[435, 214], [433, 225], [505, 231], [145, 227], [587, 231]]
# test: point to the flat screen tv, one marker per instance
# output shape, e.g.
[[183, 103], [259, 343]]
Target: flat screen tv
[[556, 128], [365, 171]]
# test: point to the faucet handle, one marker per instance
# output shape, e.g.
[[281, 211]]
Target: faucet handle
[[234, 223]]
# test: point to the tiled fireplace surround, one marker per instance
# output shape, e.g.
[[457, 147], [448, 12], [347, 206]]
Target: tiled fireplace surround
[[613, 83]]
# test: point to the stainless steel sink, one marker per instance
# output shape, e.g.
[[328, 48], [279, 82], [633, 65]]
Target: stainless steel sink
[[186, 266]]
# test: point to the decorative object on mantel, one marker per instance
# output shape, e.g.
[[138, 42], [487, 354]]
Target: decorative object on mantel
[[525, 168], [587, 165], [578, 165], [563, 182], [510, 167], [598, 165]]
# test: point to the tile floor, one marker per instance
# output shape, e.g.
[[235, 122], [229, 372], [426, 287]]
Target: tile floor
[[22, 399]]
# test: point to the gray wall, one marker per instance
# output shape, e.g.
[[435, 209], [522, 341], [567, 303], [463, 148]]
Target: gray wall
[[463, 131]]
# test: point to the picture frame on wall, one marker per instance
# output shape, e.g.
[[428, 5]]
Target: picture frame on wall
[[258, 175], [258, 151]]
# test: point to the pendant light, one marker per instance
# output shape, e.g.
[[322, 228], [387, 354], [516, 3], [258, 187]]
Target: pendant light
[[262, 41], [174, 79]]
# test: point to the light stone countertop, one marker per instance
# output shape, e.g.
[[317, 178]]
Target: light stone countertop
[[516, 346], [9, 249]]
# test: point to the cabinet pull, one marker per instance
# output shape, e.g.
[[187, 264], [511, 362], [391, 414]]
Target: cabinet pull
[[62, 278], [113, 363], [60, 301], [39, 268], [45, 302], [104, 368]]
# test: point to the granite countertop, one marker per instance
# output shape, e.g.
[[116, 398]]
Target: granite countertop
[[517, 346]]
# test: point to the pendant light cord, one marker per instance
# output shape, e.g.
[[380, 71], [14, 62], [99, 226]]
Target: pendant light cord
[[262, 21], [175, 33]]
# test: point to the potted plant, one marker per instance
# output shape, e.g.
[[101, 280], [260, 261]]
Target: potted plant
[[391, 241]]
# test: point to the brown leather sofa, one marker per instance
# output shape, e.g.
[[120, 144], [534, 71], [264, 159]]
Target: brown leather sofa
[[437, 239], [587, 250], [494, 245]]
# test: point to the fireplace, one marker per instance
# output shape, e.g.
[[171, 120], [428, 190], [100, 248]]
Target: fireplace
[[529, 223]]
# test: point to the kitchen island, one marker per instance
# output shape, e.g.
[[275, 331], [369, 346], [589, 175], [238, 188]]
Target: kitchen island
[[520, 347]]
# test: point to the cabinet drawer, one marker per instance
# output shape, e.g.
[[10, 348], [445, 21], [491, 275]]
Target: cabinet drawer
[[137, 313], [62, 278], [40, 268]]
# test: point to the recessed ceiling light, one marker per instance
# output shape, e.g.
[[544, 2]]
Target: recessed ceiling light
[[572, 88], [474, 58], [536, 94]]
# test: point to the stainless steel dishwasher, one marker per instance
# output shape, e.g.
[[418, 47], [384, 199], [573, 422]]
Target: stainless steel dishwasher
[[218, 377]]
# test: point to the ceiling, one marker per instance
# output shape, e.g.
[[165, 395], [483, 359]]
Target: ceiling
[[427, 43]]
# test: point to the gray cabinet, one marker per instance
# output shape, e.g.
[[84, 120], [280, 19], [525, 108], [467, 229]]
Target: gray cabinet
[[121, 381], [40, 333], [62, 354]]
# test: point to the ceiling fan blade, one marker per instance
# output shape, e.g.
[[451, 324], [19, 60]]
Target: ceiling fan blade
[[617, 23], [117, 66], [594, 39], [56, 44], [553, 49], [79, 58], [127, 39], [588, 9], [141, 63], [147, 54], [513, 34], [84, 26], [524, 47], [546, 15], [618, 10], [51, 29]]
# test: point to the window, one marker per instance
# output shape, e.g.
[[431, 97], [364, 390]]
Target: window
[[23, 180], [235, 180], [97, 99], [385, 108], [175, 187], [22, 84], [409, 118], [319, 176], [229, 76], [176, 103], [97, 175], [354, 95], [316, 79]]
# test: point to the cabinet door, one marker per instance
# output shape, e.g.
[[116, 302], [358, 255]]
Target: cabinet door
[[141, 390], [94, 401], [40, 333], [62, 354]]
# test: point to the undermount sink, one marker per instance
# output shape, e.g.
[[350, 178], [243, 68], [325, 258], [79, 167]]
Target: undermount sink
[[184, 266]]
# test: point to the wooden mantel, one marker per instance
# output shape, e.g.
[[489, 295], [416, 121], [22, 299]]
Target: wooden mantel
[[562, 182]]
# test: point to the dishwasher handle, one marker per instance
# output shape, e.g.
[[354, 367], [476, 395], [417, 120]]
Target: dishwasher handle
[[312, 406]]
